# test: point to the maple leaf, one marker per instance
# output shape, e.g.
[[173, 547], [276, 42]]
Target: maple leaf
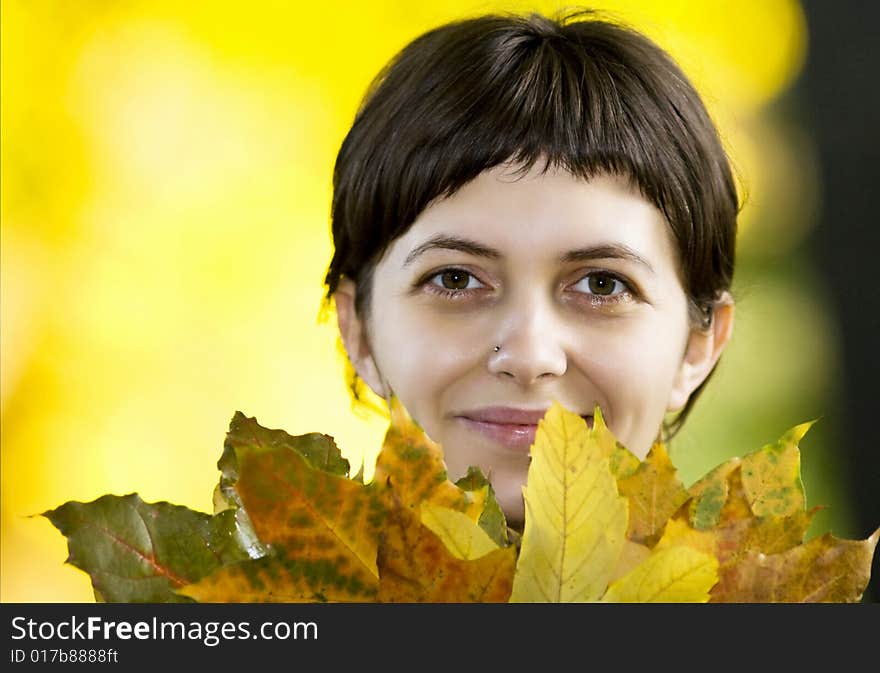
[[825, 569], [654, 494], [320, 526], [292, 525], [331, 538], [751, 514], [427, 512], [412, 465], [416, 566]]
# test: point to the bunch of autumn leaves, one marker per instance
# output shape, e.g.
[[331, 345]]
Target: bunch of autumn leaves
[[292, 525]]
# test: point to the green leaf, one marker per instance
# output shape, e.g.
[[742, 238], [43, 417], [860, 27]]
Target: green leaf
[[709, 495], [319, 450], [492, 519], [137, 552]]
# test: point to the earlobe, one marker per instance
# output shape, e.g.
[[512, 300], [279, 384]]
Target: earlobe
[[353, 331], [703, 349]]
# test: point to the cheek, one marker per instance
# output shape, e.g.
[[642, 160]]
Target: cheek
[[633, 371], [422, 354]]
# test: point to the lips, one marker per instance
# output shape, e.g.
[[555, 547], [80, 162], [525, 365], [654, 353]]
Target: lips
[[512, 428], [506, 416]]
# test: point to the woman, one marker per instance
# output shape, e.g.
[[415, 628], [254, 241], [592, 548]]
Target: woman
[[528, 210]]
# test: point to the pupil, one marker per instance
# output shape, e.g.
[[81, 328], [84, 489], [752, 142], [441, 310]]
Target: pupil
[[455, 280], [601, 284]]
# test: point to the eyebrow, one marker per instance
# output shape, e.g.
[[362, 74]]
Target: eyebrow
[[443, 242], [607, 251]]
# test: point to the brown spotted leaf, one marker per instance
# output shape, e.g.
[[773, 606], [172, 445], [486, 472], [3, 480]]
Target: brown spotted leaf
[[751, 514], [737, 530], [321, 527], [654, 493], [771, 476], [412, 465], [823, 570], [709, 496]]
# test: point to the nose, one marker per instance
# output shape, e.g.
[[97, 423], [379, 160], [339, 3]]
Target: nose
[[531, 347]]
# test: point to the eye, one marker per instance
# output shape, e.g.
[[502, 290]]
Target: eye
[[601, 284], [455, 279]]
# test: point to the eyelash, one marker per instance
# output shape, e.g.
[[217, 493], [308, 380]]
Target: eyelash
[[456, 295]]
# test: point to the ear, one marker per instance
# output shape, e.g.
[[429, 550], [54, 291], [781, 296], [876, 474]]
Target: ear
[[353, 331], [703, 349]]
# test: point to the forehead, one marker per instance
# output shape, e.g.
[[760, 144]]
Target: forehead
[[544, 214]]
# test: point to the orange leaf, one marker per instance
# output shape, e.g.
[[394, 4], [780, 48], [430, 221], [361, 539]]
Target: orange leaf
[[415, 567], [654, 494], [412, 465], [322, 528]]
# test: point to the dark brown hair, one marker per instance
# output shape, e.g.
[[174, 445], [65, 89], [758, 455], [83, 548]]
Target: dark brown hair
[[575, 91]]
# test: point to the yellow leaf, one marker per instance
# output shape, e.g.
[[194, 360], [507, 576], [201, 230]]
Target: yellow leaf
[[771, 476], [672, 575], [631, 555], [678, 533], [462, 537], [621, 461], [575, 522]]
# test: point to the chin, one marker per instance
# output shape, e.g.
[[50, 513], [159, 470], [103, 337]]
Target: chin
[[510, 499]]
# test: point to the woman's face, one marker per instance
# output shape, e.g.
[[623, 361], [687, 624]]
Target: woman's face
[[578, 284]]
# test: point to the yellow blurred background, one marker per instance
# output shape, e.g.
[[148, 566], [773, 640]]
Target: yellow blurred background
[[166, 174]]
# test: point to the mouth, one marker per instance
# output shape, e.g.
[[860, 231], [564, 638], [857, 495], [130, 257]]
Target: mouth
[[512, 428]]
